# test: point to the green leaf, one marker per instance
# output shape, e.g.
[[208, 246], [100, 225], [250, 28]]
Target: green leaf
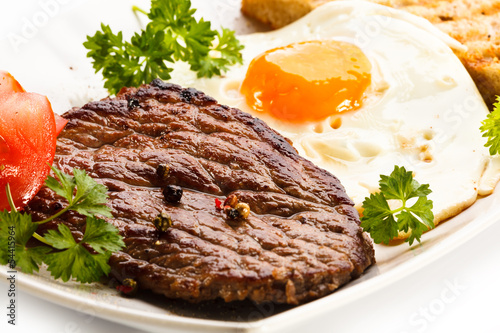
[[90, 197], [423, 209], [64, 185], [378, 220], [173, 34], [15, 230], [102, 236], [400, 185], [60, 239], [87, 260], [150, 46], [384, 223], [491, 129], [78, 263], [29, 259], [228, 48], [75, 260], [176, 13]]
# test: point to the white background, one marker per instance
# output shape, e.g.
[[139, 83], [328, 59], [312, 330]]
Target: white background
[[459, 292]]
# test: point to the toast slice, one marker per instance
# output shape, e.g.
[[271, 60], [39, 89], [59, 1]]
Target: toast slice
[[474, 23]]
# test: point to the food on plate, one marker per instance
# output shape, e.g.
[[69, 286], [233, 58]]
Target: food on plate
[[60, 123], [421, 109], [490, 129], [27, 141], [400, 206], [85, 257], [211, 202], [8, 84], [173, 34], [281, 81], [471, 22]]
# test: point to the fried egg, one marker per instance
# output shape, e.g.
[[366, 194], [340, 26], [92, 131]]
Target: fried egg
[[360, 88]]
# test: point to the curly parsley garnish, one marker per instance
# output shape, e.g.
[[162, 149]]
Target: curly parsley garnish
[[384, 223], [173, 34], [491, 128], [65, 257]]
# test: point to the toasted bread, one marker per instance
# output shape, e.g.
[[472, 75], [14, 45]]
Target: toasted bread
[[474, 23]]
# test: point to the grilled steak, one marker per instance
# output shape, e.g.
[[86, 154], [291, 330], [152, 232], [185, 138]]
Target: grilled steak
[[301, 241]]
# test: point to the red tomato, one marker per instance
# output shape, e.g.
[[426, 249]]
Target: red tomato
[[8, 84], [60, 123], [27, 141]]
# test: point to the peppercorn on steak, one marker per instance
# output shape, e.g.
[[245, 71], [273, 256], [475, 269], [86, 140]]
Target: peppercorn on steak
[[211, 202]]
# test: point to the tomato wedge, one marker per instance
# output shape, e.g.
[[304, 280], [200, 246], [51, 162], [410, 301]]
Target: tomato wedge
[[27, 141], [60, 123], [8, 84]]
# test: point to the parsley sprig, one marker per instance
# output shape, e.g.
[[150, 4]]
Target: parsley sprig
[[384, 223], [65, 257], [173, 34], [491, 129]]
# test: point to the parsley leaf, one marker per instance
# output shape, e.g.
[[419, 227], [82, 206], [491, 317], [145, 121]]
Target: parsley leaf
[[384, 223], [15, 231], [129, 63], [378, 219], [207, 66], [102, 236], [173, 34], [86, 260], [75, 260], [90, 197], [491, 129]]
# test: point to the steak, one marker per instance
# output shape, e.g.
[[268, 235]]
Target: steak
[[301, 240]]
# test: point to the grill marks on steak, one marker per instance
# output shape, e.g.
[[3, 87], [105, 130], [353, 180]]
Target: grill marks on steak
[[301, 241]]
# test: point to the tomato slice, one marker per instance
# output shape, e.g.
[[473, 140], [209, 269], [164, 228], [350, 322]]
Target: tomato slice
[[8, 84], [60, 123], [27, 145]]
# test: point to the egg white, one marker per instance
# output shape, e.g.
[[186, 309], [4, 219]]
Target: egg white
[[422, 110]]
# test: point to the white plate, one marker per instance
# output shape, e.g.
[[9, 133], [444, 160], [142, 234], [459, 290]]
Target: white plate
[[47, 56], [156, 314]]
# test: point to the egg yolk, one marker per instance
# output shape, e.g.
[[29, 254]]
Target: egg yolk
[[307, 81]]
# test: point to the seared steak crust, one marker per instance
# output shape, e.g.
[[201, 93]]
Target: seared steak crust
[[301, 241]]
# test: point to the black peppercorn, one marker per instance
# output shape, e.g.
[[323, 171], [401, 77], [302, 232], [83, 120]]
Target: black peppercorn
[[56, 206], [172, 193], [231, 213], [133, 103]]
